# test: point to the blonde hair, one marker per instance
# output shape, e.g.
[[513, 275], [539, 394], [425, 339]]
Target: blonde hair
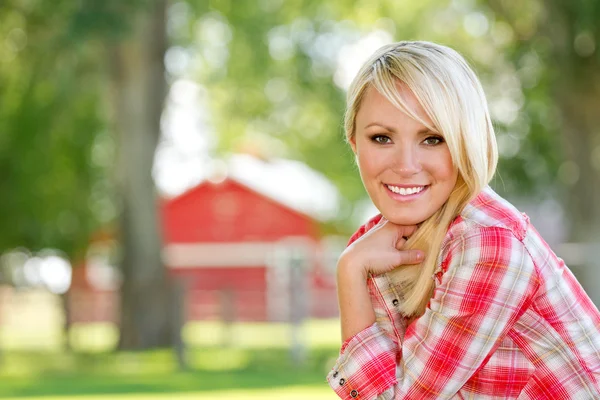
[[452, 97]]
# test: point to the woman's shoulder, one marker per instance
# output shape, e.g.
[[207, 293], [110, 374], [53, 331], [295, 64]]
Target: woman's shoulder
[[489, 210], [489, 232], [486, 223]]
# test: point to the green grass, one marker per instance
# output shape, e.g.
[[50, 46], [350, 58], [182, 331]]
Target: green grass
[[257, 367], [102, 337], [253, 371], [291, 393]]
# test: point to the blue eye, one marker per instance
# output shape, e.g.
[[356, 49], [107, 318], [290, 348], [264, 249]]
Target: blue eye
[[433, 140]]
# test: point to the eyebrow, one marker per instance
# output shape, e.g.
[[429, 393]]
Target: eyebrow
[[372, 124]]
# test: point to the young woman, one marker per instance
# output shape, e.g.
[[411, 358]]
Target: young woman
[[449, 293]]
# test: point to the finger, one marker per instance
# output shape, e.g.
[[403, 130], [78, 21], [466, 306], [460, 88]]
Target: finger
[[400, 242], [406, 230], [406, 257], [394, 259], [403, 232]]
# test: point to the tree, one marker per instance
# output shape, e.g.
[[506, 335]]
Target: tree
[[130, 41], [54, 111], [138, 91]]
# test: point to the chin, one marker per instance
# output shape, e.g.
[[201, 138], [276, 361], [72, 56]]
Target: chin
[[403, 219]]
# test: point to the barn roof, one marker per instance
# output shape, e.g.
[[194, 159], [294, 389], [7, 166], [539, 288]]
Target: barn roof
[[291, 183]]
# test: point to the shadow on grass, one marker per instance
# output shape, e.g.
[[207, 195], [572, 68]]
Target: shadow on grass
[[27, 374]]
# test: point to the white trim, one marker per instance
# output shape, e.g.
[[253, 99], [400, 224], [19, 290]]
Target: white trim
[[231, 254]]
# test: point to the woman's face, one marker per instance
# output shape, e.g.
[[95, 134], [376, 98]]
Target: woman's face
[[406, 169]]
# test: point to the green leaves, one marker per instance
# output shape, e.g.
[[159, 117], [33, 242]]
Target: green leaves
[[272, 73], [50, 115]]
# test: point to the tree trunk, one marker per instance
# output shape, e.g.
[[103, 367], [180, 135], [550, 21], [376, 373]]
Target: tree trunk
[[576, 91], [580, 104], [575, 84], [139, 89]]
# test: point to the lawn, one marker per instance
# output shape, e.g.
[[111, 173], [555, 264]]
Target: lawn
[[291, 393], [258, 367]]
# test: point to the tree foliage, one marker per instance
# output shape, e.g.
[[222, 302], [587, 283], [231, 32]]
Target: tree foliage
[[274, 80], [84, 77], [564, 36], [52, 181], [273, 73]]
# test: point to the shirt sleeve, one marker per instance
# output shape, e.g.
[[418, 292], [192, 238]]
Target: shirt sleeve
[[366, 366], [489, 280]]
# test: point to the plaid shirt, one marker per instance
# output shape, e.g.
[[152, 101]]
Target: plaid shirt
[[507, 320]]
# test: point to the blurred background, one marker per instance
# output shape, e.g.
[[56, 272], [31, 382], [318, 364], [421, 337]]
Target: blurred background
[[175, 187]]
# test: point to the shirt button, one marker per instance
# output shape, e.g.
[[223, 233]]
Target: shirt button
[[354, 393], [395, 302], [342, 381], [335, 374]]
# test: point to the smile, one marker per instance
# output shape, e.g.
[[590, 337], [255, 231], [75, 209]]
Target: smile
[[406, 191]]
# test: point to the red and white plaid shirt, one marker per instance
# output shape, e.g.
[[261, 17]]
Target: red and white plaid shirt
[[507, 320]]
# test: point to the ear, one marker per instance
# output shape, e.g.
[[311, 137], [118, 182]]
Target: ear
[[352, 142]]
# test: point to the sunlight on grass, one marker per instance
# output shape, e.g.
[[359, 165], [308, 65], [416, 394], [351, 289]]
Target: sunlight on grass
[[317, 333], [258, 358], [32, 328], [289, 393], [103, 337], [220, 359], [96, 337], [323, 333]]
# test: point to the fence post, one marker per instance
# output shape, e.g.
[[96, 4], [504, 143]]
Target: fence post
[[65, 300], [227, 301], [178, 319], [298, 304]]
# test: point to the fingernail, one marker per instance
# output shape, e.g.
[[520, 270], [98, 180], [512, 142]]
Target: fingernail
[[419, 255]]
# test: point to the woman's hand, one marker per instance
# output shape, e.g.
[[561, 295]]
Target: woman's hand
[[379, 250], [376, 252]]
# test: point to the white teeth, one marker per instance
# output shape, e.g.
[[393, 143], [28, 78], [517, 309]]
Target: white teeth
[[406, 191]]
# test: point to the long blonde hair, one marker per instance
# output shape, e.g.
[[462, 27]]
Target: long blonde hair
[[452, 96]]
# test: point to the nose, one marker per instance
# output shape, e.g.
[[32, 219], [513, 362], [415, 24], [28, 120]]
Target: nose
[[407, 161]]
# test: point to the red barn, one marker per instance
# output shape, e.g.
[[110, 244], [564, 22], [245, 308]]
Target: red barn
[[230, 240], [244, 255]]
